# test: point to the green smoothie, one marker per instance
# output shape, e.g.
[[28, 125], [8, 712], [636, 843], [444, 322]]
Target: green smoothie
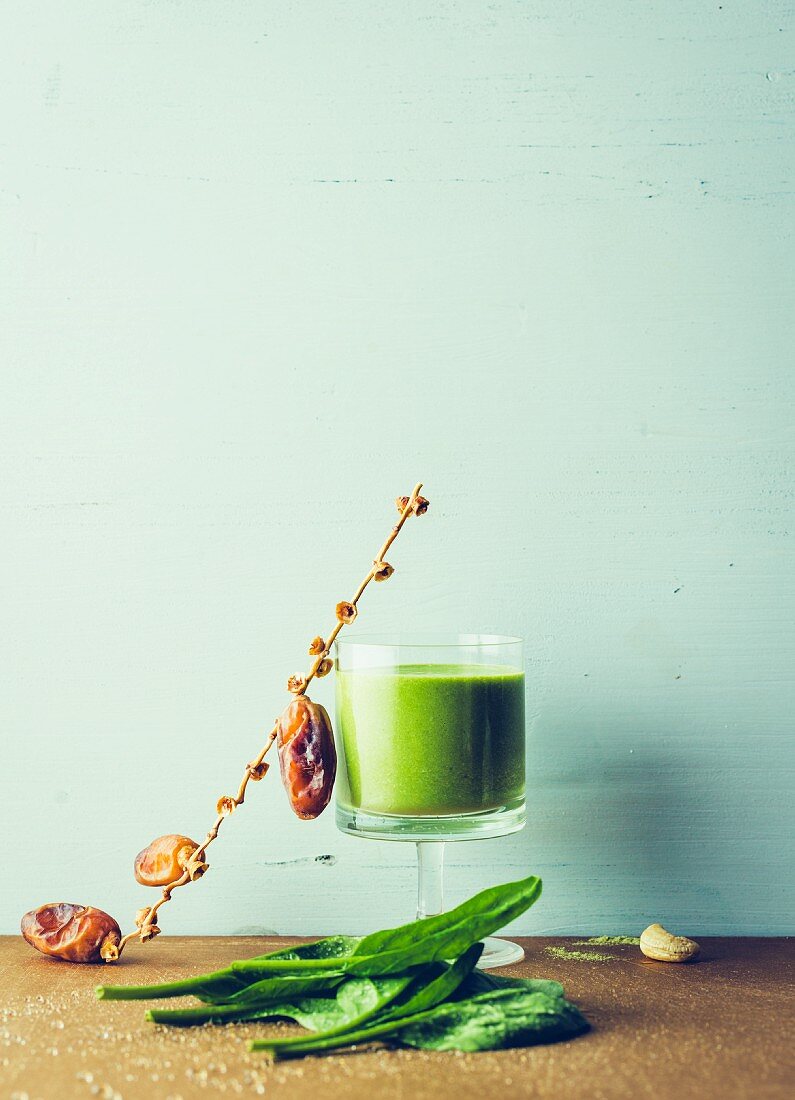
[[430, 739]]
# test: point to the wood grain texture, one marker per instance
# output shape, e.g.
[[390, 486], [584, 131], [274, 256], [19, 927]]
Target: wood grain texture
[[717, 1028], [264, 267]]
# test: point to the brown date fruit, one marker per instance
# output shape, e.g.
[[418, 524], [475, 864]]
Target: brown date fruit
[[307, 757], [76, 933], [163, 861]]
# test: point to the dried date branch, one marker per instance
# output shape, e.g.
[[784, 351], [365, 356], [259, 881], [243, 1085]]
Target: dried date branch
[[319, 649]]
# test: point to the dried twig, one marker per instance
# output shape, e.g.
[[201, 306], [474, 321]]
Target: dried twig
[[319, 649]]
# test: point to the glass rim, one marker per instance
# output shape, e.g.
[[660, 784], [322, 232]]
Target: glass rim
[[427, 640]]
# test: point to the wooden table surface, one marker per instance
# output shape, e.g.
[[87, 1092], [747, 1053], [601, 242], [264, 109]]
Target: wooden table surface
[[721, 1027]]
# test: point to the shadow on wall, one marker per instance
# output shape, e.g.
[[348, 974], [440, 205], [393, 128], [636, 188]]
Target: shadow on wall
[[643, 825]]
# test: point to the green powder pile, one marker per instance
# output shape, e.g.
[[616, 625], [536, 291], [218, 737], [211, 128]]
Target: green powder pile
[[605, 940], [578, 956]]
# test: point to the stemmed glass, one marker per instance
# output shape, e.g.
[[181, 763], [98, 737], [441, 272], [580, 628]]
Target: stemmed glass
[[431, 744]]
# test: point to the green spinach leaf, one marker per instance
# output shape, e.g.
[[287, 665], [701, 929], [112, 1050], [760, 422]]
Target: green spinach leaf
[[332, 947], [393, 951], [359, 1000], [283, 988], [489, 1021], [222, 986], [482, 981], [356, 1000], [400, 998], [493, 1021], [434, 985], [313, 1012], [445, 936]]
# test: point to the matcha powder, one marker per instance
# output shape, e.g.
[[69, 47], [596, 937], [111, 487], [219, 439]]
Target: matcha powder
[[578, 956], [605, 940]]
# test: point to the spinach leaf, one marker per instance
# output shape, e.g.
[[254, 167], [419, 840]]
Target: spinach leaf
[[365, 996], [489, 1021], [356, 1000], [218, 984], [359, 1000], [400, 998], [223, 985], [497, 903], [493, 1021], [228, 987], [431, 989], [433, 939], [332, 947], [313, 1012], [283, 988], [445, 936], [481, 981], [435, 983]]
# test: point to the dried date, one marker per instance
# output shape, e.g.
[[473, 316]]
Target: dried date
[[75, 933], [164, 860], [307, 757]]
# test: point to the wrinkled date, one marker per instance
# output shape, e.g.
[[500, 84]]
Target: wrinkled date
[[307, 757], [76, 933], [165, 860]]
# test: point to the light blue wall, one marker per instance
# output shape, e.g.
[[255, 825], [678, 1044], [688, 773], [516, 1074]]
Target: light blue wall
[[266, 265]]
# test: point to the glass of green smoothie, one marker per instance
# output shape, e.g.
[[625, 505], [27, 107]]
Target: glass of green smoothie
[[431, 744]]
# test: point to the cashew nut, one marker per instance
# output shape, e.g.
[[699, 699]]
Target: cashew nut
[[658, 944]]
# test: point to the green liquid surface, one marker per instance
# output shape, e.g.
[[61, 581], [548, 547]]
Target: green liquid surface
[[420, 740]]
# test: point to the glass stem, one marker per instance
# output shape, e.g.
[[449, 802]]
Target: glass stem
[[430, 863]]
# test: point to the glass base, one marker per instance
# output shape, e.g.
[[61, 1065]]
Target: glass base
[[482, 825], [498, 952]]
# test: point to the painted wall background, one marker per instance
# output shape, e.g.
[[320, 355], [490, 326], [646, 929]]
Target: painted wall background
[[264, 266]]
